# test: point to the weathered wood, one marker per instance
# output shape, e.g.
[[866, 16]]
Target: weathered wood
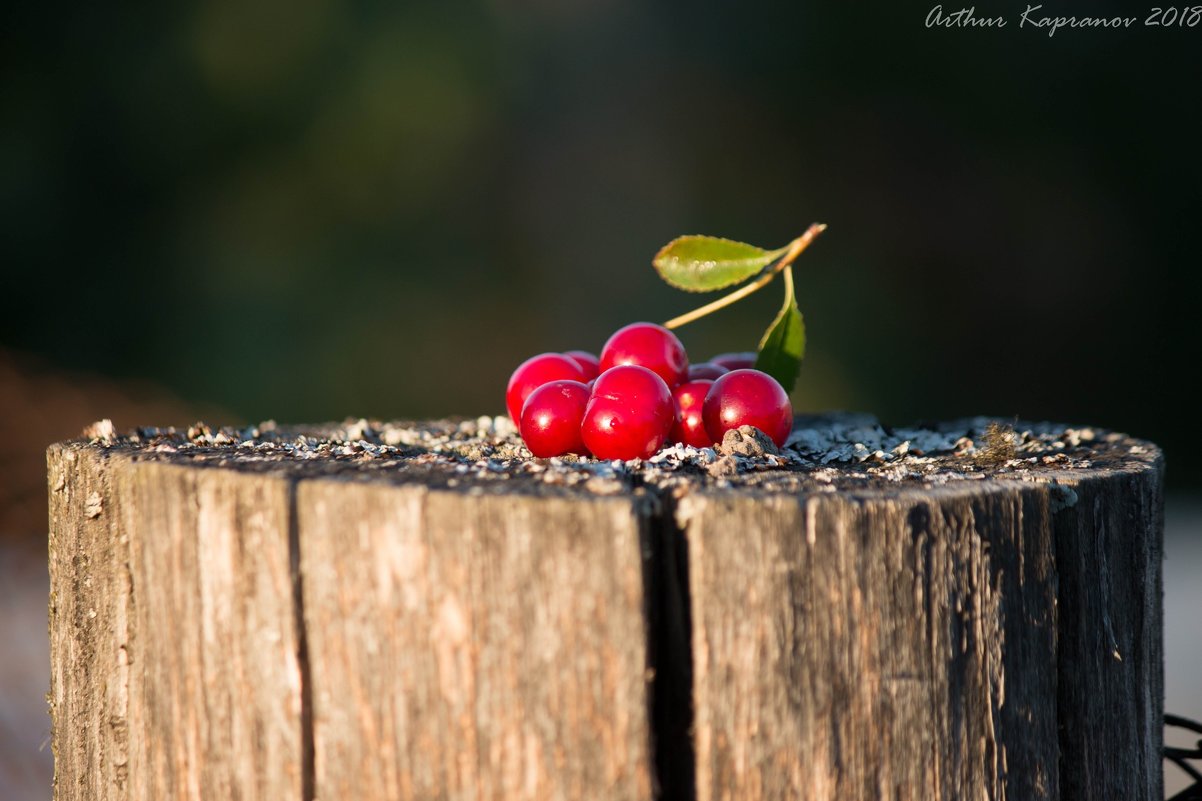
[[948, 643], [871, 648], [215, 700], [474, 646], [325, 617], [90, 629], [454, 643], [175, 668], [1110, 650]]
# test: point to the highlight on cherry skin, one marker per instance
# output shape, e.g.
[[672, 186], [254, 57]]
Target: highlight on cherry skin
[[629, 410], [533, 373], [551, 419], [747, 397], [647, 345], [689, 428], [630, 414]]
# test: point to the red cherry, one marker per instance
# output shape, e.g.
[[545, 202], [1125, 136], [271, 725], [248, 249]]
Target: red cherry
[[533, 373], [689, 427], [629, 415], [551, 419], [735, 361], [748, 397], [706, 370], [589, 363], [647, 345]]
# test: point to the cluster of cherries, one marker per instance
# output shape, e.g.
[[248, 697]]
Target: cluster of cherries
[[640, 395]]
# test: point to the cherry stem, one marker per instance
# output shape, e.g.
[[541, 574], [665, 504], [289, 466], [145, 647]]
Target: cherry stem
[[788, 285], [795, 249]]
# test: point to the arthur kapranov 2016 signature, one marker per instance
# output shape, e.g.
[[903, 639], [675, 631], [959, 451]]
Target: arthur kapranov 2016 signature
[[1034, 18]]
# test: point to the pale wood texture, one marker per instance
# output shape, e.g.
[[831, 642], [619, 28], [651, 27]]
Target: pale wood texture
[[276, 627], [216, 677], [474, 646], [90, 632], [173, 638]]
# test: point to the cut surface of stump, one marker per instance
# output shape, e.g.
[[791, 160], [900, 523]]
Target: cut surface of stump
[[422, 610]]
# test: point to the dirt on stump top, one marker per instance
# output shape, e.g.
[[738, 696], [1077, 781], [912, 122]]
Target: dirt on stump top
[[825, 453]]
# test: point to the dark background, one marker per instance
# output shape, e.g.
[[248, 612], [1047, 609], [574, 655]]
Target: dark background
[[308, 210]]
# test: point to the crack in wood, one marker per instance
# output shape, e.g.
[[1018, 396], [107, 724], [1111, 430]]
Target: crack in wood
[[308, 785], [669, 650]]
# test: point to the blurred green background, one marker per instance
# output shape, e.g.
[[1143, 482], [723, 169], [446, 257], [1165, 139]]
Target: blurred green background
[[306, 210]]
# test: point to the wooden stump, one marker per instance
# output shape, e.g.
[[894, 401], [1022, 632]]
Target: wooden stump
[[412, 612]]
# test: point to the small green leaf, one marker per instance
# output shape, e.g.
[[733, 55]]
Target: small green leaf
[[706, 263], [784, 344]]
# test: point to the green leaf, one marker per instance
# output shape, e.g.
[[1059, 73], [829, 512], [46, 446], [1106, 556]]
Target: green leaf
[[784, 344], [706, 263]]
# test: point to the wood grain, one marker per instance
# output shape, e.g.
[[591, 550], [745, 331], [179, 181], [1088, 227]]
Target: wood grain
[[90, 629], [1109, 553], [905, 646], [310, 628], [175, 671], [216, 686], [477, 646]]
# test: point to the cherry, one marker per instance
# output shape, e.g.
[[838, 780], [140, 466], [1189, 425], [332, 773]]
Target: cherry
[[706, 370], [748, 397], [735, 361], [689, 427], [629, 415], [589, 363], [551, 418], [647, 345], [533, 373]]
